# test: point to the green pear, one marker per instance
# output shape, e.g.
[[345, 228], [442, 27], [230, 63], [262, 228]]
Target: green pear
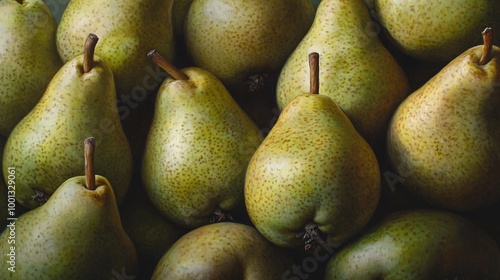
[[444, 139], [241, 42], [358, 72], [223, 251], [313, 172], [77, 234], [150, 232], [435, 30], [419, 244], [27, 46], [128, 30], [45, 146], [198, 148]]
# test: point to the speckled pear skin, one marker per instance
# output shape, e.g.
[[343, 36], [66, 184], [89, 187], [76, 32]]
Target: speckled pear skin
[[313, 166], [356, 70], [444, 139], [197, 150], [77, 234], [150, 232], [436, 30], [128, 30], [46, 146], [418, 244], [239, 38], [220, 251], [27, 46]]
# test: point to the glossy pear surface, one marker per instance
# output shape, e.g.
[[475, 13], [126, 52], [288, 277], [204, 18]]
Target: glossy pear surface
[[28, 58], [444, 139], [46, 146], [436, 30], [223, 251], [127, 31], [237, 39], [356, 70], [313, 167], [197, 150], [419, 244], [77, 234]]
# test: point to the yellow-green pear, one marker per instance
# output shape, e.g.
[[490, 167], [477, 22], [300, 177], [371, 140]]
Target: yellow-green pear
[[128, 30], [77, 234], [28, 58], [241, 42], [223, 251], [198, 148], [432, 30], [45, 146], [312, 173], [151, 233], [418, 244], [444, 139], [358, 72]]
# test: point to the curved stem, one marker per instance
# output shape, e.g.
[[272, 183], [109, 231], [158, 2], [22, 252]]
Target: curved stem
[[488, 46], [89, 147], [88, 52], [161, 61], [314, 72]]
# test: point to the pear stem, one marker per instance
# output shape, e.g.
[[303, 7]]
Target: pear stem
[[314, 72], [88, 52], [488, 46], [161, 61], [89, 147]]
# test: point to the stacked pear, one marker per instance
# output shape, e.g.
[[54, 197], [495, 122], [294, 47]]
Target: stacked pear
[[128, 30], [223, 251], [27, 46], [45, 146], [313, 175], [436, 31], [245, 43], [77, 234], [151, 233], [419, 244], [358, 72], [444, 139], [198, 148]]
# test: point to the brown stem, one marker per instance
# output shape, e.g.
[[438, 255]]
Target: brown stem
[[20, 1], [89, 147], [488, 46], [88, 52], [161, 61], [314, 72]]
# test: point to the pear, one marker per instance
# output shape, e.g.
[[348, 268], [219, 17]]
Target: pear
[[435, 31], [27, 46], [198, 148], [444, 139], [150, 232], [128, 30], [313, 175], [224, 250], [419, 244], [45, 146], [77, 234], [244, 43], [359, 73]]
